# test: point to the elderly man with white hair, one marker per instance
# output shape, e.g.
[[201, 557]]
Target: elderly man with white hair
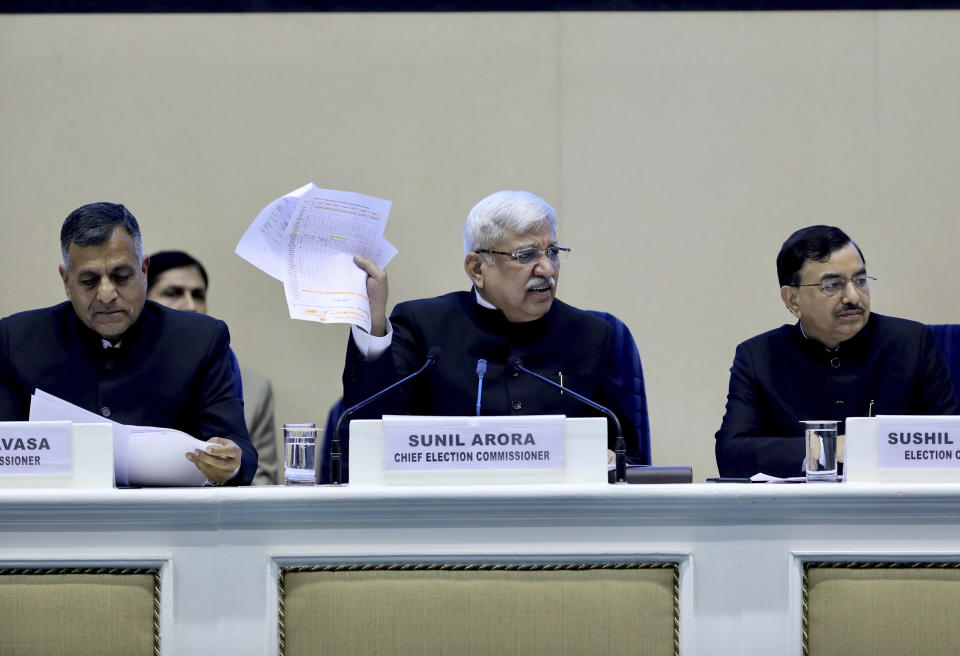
[[513, 259]]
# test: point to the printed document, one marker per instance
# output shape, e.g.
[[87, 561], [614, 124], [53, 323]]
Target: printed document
[[307, 240], [142, 455]]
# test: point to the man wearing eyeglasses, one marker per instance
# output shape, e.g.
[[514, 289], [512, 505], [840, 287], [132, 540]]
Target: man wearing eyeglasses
[[837, 361], [513, 259]]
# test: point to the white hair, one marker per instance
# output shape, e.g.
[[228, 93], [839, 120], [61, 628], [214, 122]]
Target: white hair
[[516, 211]]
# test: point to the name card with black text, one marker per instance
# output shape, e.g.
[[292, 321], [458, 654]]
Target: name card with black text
[[910, 442], [56, 454], [903, 449], [488, 450], [41, 447], [471, 443]]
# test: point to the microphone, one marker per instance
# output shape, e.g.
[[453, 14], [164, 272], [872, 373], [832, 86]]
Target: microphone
[[481, 372], [514, 363], [336, 473]]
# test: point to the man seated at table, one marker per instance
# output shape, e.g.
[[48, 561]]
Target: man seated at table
[[512, 257], [110, 351], [178, 281], [837, 361]]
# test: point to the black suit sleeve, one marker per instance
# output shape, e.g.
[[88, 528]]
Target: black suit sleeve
[[11, 396], [742, 450], [220, 410], [362, 378]]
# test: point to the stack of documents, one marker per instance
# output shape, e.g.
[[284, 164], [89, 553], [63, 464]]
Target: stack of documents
[[142, 455], [307, 240]]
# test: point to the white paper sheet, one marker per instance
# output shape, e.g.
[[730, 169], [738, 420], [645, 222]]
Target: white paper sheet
[[308, 239], [157, 457], [264, 244], [142, 455]]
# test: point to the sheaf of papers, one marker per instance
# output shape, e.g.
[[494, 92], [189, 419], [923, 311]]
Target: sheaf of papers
[[767, 478], [307, 240], [142, 455]]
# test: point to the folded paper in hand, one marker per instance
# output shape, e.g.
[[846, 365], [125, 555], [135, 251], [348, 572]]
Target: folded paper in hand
[[142, 455]]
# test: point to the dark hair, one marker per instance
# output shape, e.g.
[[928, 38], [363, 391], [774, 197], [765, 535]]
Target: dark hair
[[166, 260], [811, 243], [93, 224]]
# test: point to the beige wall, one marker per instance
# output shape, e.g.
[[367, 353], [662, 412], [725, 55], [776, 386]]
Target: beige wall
[[679, 148]]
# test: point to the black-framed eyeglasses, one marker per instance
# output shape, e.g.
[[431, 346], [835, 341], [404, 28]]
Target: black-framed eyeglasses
[[531, 254], [833, 286]]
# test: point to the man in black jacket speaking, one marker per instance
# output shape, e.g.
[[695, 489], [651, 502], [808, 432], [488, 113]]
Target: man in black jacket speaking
[[837, 361], [513, 259], [111, 352]]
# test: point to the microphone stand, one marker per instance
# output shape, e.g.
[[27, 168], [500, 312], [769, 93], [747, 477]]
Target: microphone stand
[[619, 445], [336, 464]]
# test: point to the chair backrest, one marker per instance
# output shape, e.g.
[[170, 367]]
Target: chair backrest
[[630, 372], [947, 338]]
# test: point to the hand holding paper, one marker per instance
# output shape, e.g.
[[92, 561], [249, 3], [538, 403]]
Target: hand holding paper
[[377, 291], [218, 461], [142, 455]]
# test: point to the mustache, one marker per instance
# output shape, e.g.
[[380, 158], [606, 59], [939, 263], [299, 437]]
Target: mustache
[[541, 282], [850, 307]]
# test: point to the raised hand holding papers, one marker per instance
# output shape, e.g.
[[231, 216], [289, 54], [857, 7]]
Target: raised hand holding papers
[[307, 240]]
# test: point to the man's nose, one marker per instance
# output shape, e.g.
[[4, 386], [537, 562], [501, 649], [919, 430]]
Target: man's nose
[[545, 267], [189, 304], [106, 290], [851, 295]]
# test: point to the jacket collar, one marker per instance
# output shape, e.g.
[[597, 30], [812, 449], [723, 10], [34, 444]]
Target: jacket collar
[[856, 347]]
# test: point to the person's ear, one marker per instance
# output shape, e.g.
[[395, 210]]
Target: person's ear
[[64, 277], [473, 265], [791, 298]]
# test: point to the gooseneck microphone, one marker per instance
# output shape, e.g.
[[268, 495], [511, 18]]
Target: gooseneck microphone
[[514, 363], [336, 464], [481, 372]]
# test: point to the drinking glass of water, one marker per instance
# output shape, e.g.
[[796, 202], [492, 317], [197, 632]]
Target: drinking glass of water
[[821, 437], [299, 454]]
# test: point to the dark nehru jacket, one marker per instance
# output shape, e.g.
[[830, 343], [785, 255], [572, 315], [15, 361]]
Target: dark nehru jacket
[[565, 341], [780, 377], [172, 370]]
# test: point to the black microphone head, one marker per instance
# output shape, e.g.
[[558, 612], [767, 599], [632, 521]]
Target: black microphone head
[[434, 354], [514, 362]]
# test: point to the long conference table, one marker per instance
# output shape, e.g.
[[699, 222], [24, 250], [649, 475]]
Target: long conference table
[[738, 551]]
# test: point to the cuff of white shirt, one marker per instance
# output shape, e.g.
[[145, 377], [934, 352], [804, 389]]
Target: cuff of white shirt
[[371, 347]]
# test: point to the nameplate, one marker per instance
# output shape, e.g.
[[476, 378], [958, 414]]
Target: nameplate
[[910, 442], [35, 447], [472, 443]]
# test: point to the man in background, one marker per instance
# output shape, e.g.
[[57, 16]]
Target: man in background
[[839, 360], [178, 281], [112, 352]]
